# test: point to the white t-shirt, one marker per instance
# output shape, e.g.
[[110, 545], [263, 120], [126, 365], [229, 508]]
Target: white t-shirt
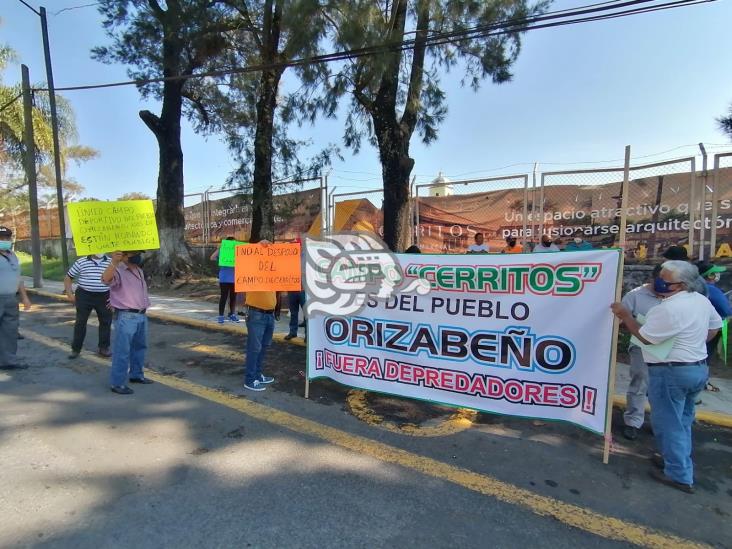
[[687, 317], [476, 249]]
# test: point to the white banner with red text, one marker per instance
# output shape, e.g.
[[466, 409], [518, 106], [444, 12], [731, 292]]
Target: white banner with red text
[[527, 335]]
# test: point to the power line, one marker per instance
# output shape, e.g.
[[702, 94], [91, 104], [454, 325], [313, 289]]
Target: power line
[[484, 31], [13, 100], [77, 7]]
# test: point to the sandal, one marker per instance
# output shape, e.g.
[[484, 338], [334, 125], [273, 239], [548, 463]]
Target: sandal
[[711, 388]]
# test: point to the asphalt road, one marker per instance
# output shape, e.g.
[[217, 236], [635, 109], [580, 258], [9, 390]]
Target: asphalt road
[[183, 464]]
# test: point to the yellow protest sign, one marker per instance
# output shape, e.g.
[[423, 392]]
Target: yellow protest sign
[[108, 226]]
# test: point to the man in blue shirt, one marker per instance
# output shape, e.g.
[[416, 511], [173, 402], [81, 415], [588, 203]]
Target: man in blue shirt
[[712, 274]]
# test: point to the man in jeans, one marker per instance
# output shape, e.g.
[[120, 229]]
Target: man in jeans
[[263, 308], [639, 302], [10, 288], [91, 295], [129, 299], [688, 319]]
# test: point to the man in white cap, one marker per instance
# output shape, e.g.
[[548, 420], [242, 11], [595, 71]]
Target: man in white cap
[[11, 287]]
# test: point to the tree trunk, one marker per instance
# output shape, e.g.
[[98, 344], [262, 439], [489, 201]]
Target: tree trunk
[[396, 167], [173, 259], [262, 204]]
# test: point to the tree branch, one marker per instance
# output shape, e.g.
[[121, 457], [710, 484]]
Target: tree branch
[[152, 121], [157, 10], [244, 12], [198, 104], [416, 77]]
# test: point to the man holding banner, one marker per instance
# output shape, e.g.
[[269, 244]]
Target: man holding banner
[[687, 319], [129, 298]]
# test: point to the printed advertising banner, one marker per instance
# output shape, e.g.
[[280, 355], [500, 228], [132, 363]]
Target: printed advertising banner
[[527, 335]]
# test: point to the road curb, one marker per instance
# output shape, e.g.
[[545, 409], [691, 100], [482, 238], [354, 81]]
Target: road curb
[[619, 401], [713, 418]]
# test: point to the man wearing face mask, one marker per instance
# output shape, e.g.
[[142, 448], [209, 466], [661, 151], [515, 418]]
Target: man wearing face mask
[[688, 320], [91, 295], [578, 244], [546, 245], [512, 247], [129, 299], [11, 287]]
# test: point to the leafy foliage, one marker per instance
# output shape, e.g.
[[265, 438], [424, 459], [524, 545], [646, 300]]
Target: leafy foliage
[[12, 149]]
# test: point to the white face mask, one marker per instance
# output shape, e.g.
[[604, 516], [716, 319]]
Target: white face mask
[[716, 277], [577, 240]]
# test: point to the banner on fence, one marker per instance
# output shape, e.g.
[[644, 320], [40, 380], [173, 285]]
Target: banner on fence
[[227, 252], [108, 226], [526, 335], [272, 268]]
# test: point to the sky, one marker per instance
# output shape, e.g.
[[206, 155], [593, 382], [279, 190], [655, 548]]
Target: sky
[[580, 94]]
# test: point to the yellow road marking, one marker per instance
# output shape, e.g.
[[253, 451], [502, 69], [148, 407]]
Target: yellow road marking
[[458, 421], [572, 515]]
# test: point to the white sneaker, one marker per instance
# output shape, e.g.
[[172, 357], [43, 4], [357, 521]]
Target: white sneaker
[[255, 385]]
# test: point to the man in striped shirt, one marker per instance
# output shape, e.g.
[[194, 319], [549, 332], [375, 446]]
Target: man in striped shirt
[[91, 295]]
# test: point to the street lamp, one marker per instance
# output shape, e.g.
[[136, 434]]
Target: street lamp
[[41, 12]]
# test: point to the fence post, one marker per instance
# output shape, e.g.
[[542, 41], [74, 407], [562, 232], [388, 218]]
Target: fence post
[[616, 323], [715, 197], [692, 207], [30, 172], [702, 207]]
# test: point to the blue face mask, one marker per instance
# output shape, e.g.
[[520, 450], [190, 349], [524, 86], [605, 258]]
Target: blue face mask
[[660, 286], [135, 259], [5, 245]]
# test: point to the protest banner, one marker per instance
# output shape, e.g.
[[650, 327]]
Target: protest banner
[[527, 335], [227, 252], [108, 226], [271, 268]]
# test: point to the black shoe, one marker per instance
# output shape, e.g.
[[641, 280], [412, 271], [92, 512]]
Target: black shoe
[[142, 380], [104, 352], [21, 336], [663, 479], [288, 337], [74, 354], [302, 324], [631, 433], [14, 367], [658, 462], [122, 390]]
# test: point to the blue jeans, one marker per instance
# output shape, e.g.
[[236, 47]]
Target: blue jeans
[[260, 327], [672, 392], [128, 347], [295, 300]]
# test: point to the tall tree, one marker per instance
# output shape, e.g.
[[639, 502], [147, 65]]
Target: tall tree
[[272, 33], [399, 92], [174, 39]]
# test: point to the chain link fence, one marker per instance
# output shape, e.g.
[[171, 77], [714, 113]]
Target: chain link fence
[[663, 209], [448, 214], [298, 208], [356, 211]]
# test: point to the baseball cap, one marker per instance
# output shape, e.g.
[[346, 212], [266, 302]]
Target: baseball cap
[[706, 268], [676, 253], [4, 231]]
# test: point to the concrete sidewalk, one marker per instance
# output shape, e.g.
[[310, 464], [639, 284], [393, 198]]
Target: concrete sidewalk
[[715, 408]]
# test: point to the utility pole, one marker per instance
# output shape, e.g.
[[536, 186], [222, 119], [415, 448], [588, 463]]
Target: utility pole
[[56, 146], [54, 128], [30, 174]]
